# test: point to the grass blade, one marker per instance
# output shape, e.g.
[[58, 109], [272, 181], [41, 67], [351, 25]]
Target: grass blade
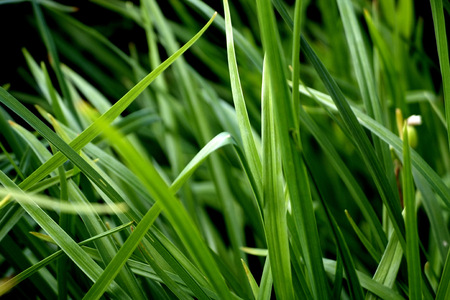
[[248, 141], [274, 204], [8, 285], [412, 236], [443, 52]]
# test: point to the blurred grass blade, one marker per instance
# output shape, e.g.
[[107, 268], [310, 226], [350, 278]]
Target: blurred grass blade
[[290, 144], [343, 250], [51, 48], [443, 52], [349, 180], [89, 267], [93, 130], [174, 211], [8, 285], [362, 142], [57, 205], [368, 283], [119, 260], [393, 140], [443, 291], [412, 236]]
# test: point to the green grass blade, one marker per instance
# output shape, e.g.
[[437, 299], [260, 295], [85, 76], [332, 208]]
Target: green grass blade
[[93, 130], [443, 291], [265, 286], [196, 110], [349, 180], [274, 204], [175, 212], [362, 142], [106, 247], [344, 252], [51, 48], [393, 140], [412, 236], [62, 239], [168, 281], [366, 150], [387, 59], [360, 60], [120, 259], [251, 51], [8, 285], [294, 169], [245, 128], [55, 204], [296, 58], [368, 283], [389, 265], [372, 251], [443, 52], [251, 279]]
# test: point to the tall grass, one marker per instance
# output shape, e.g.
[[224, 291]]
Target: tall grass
[[256, 153]]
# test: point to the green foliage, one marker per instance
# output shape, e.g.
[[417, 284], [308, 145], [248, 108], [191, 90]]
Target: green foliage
[[272, 160]]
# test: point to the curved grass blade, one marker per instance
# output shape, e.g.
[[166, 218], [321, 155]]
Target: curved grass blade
[[248, 141], [87, 265], [389, 265], [251, 279], [93, 130], [176, 214], [195, 107], [8, 285]]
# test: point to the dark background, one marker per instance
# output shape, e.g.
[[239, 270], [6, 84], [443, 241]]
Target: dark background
[[18, 30]]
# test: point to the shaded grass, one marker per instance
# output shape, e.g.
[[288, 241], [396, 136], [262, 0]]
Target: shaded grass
[[309, 195]]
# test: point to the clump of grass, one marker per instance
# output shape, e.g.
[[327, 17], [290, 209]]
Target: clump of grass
[[277, 159]]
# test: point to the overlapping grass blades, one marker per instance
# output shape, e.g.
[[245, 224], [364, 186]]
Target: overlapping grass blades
[[307, 201], [289, 138]]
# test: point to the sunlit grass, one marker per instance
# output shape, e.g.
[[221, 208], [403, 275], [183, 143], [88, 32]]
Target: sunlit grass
[[275, 160]]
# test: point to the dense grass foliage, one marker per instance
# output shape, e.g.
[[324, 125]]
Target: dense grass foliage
[[271, 150]]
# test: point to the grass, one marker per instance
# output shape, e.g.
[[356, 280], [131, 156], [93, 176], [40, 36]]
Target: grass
[[254, 153]]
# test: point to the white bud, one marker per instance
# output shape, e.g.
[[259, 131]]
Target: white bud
[[414, 120]]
